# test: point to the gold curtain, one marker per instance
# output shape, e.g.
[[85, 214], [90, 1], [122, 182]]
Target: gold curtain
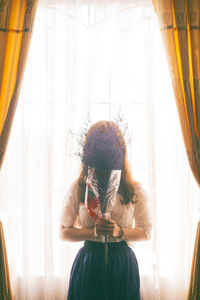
[[16, 23], [5, 287], [179, 22]]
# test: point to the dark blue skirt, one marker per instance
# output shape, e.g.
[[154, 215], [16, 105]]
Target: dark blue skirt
[[90, 279]]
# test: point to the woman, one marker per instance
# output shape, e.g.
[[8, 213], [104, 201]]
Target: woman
[[91, 279]]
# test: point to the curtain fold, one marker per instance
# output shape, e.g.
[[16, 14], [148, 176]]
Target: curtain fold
[[194, 291], [16, 22], [5, 286], [180, 27]]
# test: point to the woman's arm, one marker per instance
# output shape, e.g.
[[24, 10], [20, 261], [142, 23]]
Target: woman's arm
[[103, 227], [134, 234], [73, 234]]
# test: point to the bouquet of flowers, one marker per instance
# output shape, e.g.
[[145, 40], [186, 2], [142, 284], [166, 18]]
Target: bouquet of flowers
[[103, 155]]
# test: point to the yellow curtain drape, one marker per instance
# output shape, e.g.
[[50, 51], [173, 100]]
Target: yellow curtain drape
[[5, 287], [179, 22], [16, 23]]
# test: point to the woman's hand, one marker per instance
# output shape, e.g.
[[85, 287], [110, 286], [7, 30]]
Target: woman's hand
[[107, 227]]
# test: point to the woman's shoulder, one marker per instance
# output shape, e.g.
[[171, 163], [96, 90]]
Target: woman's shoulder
[[72, 189], [140, 193]]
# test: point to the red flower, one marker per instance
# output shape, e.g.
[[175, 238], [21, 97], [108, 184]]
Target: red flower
[[92, 203]]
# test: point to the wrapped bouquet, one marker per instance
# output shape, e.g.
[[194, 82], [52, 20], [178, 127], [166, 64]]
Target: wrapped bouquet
[[103, 155]]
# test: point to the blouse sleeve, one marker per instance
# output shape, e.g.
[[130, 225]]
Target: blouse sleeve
[[142, 213], [70, 206]]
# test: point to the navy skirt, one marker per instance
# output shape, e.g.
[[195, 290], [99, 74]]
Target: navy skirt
[[90, 279]]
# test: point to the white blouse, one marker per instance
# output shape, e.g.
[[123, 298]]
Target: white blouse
[[126, 215]]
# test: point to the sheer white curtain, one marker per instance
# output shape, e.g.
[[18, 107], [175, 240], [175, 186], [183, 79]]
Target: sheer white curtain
[[100, 57]]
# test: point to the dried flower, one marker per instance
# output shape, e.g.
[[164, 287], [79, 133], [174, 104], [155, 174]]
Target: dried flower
[[104, 148]]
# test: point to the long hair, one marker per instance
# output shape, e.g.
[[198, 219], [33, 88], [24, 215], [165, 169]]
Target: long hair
[[127, 183]]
